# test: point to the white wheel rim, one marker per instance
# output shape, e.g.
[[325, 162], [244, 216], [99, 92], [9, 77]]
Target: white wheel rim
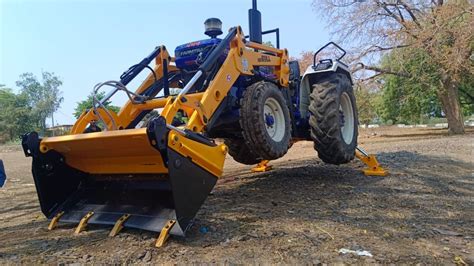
[[347, 118], [274, 119]]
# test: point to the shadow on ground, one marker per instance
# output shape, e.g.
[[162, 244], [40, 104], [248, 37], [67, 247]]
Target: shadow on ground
[[421, 193]]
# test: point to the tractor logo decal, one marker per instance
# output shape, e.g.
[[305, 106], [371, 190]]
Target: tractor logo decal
[[193, 44], [264, 58], [229, 78]]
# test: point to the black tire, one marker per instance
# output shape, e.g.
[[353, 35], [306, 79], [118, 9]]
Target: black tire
[[241, 153], [257, 98], [326, 119]]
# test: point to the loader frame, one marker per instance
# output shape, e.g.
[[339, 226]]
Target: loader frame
[[179, 159], [200, 107]]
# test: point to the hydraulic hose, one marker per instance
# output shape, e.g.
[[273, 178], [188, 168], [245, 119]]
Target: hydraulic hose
[[207, 65]]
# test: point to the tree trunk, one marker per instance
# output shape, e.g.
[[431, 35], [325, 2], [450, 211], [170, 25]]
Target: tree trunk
[[449, 97]]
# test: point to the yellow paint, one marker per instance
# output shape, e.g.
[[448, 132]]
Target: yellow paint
[[129, 150], [119, 225], [373, 166], [209, 158], [83, 223], [262, 166], [109, 152], [55, 220], [164, 234]]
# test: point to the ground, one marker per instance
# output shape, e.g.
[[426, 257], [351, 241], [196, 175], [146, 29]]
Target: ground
[[303, 211]]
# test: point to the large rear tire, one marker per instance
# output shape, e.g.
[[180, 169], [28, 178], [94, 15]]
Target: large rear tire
[[241, 153], [265, 120], [333, 119]]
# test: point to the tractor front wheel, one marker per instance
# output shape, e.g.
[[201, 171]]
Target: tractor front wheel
[[241, 153], [265, 120], [333, 119]]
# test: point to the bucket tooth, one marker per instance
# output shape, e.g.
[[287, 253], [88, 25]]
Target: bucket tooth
[[164, 234], [262, 166], [55, 220], [119, 225], [83, 223]]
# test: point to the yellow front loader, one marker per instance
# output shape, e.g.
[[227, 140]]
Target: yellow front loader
[[130, 169]]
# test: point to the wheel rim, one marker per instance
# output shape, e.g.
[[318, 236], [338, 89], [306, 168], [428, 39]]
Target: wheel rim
[[347, 118], [274, 119]]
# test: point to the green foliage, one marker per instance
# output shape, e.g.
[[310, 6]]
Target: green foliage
[[148, 117], [269, 43], [44, 98], [366, 105], [415, 99], [409, 100], [15, 114], [28, 110], [466, 94], [87, 104]]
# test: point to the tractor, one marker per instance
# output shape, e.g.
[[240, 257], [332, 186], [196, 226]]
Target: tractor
[[152, 164]]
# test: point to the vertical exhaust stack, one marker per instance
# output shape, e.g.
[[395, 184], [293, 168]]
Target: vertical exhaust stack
[[255, 23]]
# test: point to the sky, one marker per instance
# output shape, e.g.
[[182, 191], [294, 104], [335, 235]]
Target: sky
[[85, 42]]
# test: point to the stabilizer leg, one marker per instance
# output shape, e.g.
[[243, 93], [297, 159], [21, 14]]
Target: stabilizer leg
[[262, 166], [373, 166]]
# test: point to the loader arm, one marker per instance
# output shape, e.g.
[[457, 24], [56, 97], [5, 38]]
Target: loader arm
[[149, 175], [130, 111]]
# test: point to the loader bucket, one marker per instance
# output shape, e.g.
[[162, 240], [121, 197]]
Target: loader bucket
[[77, 174]]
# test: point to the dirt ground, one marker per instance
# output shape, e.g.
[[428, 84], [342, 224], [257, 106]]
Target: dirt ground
[[303, 211]]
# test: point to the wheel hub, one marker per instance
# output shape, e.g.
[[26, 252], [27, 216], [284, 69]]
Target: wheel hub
[[269, 120], [274, 119], [341, 118]]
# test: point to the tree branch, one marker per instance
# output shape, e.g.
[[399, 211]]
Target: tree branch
[[362, 66], [377, 48], [400, 14], [371, 77], [410, 12], [394, 16]]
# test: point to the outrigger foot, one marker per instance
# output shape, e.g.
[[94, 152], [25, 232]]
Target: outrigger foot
[[262, 166], [373, 166]]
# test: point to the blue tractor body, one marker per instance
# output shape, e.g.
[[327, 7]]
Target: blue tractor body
[[190, 55], [188, 58]]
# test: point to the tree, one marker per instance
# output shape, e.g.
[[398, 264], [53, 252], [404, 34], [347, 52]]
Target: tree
[[14, 114], [87, 104], [442, 30], [305, 59], [409, 99], [366, 100], [44, 98], [269, 43]]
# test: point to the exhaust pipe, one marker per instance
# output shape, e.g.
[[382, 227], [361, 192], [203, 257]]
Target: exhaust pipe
[[255, 23]]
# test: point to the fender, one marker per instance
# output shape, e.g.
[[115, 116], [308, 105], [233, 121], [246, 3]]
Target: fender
[[316, 72]]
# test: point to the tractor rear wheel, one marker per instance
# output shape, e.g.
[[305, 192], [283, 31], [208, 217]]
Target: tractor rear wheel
[[241, 153], [265, 120], [333, 119]]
